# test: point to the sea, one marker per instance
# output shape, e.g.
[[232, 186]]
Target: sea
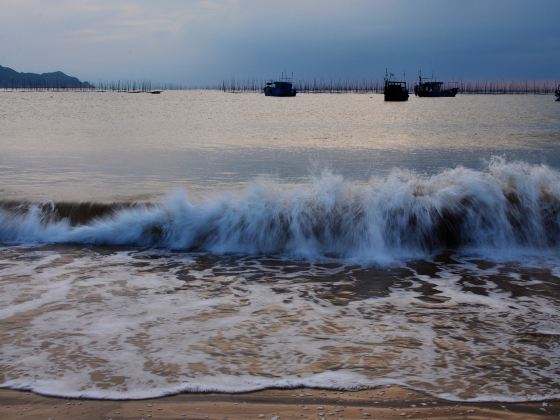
[[198, 241]]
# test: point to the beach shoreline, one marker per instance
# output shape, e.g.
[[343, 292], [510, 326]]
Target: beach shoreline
[[303, 403]]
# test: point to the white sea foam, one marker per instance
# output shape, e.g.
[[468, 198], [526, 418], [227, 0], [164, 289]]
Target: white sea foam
[[144, 324]]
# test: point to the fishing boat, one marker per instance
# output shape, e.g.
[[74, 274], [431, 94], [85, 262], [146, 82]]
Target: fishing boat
[[557, 94], [433, 89], [394, 90], [281, 88]]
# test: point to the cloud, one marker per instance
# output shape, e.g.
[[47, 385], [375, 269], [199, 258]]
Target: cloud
[[201, 41]]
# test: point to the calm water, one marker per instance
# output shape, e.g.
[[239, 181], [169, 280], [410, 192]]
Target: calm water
[[190, 241], [110, 146]]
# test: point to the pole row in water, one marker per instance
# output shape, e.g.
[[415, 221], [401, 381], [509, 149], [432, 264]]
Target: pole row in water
[[497, 87], [131, 86]]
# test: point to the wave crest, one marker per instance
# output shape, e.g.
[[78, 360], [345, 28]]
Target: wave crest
[[405, 214]]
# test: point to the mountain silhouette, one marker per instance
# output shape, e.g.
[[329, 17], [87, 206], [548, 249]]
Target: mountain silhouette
[[11, 79]]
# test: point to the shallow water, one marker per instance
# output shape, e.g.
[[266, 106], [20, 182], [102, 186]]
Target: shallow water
[[325, 240]]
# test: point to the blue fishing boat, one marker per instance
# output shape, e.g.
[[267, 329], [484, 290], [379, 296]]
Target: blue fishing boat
[[281, 88], [394, 90], [433, 89]]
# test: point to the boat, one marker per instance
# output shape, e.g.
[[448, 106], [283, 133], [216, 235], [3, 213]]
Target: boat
[[155, 92], [557, 94], [394, 90], [281, 88], [433, 89]]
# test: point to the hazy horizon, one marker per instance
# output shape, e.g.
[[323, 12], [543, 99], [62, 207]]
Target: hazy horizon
[[201, 42]]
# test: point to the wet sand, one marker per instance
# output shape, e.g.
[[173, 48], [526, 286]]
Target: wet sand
[[380, 403]]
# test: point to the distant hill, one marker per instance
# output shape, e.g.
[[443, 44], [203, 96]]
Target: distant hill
[[11, 79]]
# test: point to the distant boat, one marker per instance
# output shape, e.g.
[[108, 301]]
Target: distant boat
[[433, 89], [281, 88], [155, 92], [394, 90], [557, 94]]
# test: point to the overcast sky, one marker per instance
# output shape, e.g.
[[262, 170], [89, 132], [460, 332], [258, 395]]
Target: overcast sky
[[205, 41]]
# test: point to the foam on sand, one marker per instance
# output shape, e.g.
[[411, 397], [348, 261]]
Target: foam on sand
[[104, 323]]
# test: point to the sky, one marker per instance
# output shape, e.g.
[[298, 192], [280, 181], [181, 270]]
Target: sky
[[202, 42]]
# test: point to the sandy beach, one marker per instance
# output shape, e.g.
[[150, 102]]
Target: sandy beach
[[380, 403]]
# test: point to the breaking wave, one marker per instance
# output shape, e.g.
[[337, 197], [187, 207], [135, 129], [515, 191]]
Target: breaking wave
[[509, 205]]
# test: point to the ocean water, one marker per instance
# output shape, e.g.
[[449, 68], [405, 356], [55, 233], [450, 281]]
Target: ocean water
[[200, 240]]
